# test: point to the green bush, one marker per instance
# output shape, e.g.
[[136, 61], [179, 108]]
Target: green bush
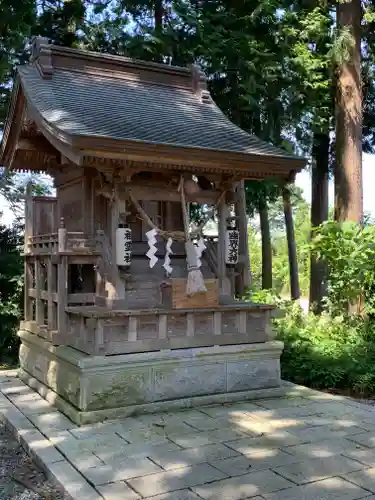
[[328, 352], [11, 279], [349, 252]]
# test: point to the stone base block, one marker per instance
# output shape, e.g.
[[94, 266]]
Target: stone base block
[[93, 388]]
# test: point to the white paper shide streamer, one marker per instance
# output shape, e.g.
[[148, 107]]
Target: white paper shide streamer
[[167, 259], [232, 238], [200, 248], [123, 246], [151, 239]]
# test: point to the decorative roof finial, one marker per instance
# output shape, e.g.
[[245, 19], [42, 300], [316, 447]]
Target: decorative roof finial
[[41, 56], [199, 83]]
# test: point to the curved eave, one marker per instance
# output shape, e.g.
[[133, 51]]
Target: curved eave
[[77, 147], [57, 138], [13, 127], [242, 164], [13, 124]]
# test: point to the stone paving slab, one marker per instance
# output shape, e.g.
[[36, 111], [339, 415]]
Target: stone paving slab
[[258, 460], [324, 449], [120, 451], [118, 490], [179, 495], [305, 446], [329, 489], [365, 439], [364, 478], [126, 469], [177, 479], [270, 440], [237, 488], [192, 456], [318, 468], [320, 433], [364, 456]]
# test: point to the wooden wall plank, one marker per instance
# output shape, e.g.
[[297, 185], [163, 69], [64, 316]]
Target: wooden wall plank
[[217, 323], [190, 325], [162, 330], [132, 334]]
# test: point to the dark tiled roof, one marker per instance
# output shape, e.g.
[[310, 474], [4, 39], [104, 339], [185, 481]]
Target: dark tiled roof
[[88, 105]]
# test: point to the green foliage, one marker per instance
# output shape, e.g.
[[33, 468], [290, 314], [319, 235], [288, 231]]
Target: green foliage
[[11, 281], [333, 350], [16, 19], [13, 185], [349, 252], [327, 352], [280, 263], [60, 21], [267, 297]]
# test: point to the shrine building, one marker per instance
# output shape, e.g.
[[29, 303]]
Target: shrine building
[[129, 306]]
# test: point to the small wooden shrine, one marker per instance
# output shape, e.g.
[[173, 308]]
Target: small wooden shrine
[[128, 306]]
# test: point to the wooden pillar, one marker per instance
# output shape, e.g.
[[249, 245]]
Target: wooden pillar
[[62, 281], [115, 286], [29, 216], [88, 202], [120, 282], [224, 284], [39, 309], [51, 289], [244, 280], [28, 309]]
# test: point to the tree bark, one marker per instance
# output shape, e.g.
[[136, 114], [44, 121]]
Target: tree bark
[[319, 214], [348, 170], [243, 281], [266, 247], [292, 250], [158, 16]]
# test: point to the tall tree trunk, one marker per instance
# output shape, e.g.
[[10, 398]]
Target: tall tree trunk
[[158, 16], [348, 171], [292, 250], [266, 246], [243, 280], [319, 214]]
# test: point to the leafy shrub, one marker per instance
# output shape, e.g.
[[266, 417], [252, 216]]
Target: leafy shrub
[[349, 252], [263, 297], [11, 278], [327, 352]]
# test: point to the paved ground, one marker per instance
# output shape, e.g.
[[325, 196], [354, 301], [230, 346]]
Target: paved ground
[[20, 479], [307, 446]]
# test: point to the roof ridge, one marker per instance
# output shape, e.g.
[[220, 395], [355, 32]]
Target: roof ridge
[[47, 57]]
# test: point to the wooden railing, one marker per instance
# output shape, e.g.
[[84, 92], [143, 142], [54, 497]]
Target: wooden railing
[[42, 244], [104, 332], [74, 242]]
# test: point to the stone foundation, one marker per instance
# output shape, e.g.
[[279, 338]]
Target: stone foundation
[[92, 388]]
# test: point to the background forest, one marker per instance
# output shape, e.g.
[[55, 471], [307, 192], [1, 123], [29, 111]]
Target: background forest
[[298, 74]]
